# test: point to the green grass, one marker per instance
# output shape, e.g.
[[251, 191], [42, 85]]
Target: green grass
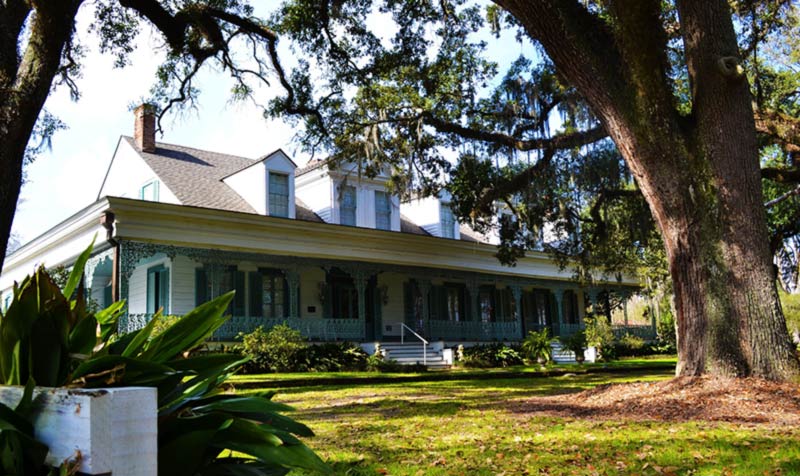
[[289, 379], [478, 427]]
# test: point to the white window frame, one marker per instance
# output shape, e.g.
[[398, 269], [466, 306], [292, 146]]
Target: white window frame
[[271, 194]]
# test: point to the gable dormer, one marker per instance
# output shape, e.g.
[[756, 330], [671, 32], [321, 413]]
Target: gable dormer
[[267, 185], [343, 197], [434, 215]]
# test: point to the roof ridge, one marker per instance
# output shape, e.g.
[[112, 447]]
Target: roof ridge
[[167, 144]]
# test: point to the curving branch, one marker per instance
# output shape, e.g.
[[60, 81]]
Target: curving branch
[[782, 128], [562, 141], [208, 22], [781, 175]]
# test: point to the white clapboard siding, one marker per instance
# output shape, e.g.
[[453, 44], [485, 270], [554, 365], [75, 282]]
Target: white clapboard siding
[[114, 430]]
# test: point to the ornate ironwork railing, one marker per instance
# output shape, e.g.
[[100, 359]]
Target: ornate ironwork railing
[[474, 330], [556, 329], [313, 328], [323, 329], [643, 331]]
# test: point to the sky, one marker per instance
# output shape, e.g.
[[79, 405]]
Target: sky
[[68, 177]]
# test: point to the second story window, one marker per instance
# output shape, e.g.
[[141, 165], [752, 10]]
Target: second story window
[[383, 211], [278, 195], [149, 191], [347, 206], [447, 221]]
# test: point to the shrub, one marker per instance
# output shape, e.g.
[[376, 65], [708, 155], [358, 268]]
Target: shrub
[[791, 310], [378, 363], [277, 350], [576, 343], [333, 357], [632, 346], [666, 340], [491, 355], [536, 346], [600, 336]]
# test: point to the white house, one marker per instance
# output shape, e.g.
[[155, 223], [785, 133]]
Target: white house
[[332, 254]]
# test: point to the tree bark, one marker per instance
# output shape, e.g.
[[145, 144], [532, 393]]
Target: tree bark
[[699, 174], [25, 83]]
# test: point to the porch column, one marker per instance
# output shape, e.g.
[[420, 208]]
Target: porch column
[[424, 290], [624, 295], [360, 279], [516, 292], [592, 295], [293, 280], [472, 288], [558, 294]]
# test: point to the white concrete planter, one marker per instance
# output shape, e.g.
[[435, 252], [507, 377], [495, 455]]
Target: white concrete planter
[[113, 430]]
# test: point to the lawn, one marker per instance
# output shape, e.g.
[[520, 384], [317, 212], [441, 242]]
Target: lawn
[[483, 427]]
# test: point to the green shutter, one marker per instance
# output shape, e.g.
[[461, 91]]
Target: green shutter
[[163, 292], [256, 294], [151, 291], [200, 286], [239, 298], [287, 305]]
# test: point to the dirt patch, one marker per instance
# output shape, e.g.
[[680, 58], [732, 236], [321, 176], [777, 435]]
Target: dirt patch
[[747, 401]]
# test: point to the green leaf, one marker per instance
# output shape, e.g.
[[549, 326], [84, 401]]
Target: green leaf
[[77, 270], [83, 337], [249, 438], [185, 443], [138, 342], [246, 404], [190, 331]]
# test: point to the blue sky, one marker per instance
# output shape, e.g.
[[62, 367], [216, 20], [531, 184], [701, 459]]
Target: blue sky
[[68, 178]]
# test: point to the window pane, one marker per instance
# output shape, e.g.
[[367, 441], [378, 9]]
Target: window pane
[[278, 195], [347, 206], [383, 211], [446, 220], [149, 191]]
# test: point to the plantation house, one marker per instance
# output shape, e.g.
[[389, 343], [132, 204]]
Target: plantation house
[[332, 254]]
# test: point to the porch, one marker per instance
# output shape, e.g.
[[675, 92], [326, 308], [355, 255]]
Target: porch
[[334, 300]]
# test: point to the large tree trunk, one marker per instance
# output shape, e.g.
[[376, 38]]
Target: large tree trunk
[[699, 174], [25, 83]]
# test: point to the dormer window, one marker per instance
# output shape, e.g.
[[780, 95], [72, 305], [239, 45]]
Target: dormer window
[[383, 211], [278, 194], [347, 205], [446, 221], [149, 191]]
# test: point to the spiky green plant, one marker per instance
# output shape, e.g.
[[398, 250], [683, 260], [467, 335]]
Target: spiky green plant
[[49, 339]]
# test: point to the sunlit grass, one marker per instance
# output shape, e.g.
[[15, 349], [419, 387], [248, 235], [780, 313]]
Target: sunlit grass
[[480, 427]]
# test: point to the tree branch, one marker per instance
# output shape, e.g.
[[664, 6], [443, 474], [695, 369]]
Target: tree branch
[[782, 128], [785, 196], [781, 175], [561, 141]]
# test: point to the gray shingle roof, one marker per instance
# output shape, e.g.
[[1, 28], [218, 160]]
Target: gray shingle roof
[[195, 177]]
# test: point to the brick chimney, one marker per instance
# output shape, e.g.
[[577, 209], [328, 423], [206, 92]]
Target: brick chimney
[[144, 128]]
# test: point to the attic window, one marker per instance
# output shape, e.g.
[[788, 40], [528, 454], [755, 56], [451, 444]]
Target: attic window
[[446, 221], [278, 195], [383, 211], [347, 206], [149, 191]]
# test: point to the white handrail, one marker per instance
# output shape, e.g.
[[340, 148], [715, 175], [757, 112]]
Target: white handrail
[[403, 327]]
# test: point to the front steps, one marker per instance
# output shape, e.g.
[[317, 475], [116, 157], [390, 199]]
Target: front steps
[[411, 353]]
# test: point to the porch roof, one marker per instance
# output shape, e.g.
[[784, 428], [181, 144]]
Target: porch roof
[[186, 226]]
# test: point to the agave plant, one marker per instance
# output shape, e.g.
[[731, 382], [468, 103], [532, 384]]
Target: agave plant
[[49, 338]]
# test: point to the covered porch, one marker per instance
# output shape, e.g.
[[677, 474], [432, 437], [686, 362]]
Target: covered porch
[[333, 300]]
